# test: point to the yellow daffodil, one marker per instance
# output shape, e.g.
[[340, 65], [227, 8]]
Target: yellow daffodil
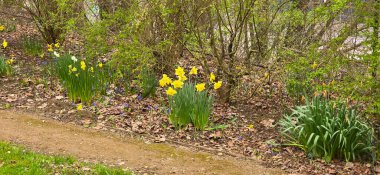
[[92, 69], [177, 84], [83, 65], [2, 28], [179, 71], [212, 77], [56, 45], [77, 75], [250, 126], [100, 65], [79, 107], [165, 80], [182, 78], [50, 48], [171, 91], [314, 66], [200, 87], [70, 66], [74, 69], [194, 71], [10, 61], [266, 74], [217, 85], [5, 43]]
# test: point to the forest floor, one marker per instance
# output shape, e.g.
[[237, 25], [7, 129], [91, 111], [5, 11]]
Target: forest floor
[[52, 137]]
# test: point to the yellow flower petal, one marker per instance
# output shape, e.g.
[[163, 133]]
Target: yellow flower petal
[[193, 71], [50, 47], [182, 78], [83, 65], [200, 87], [177, 84], [56, 45], [100, 65], [179, 71], [171, 91], [314, 66], [79, 107], [1, 28], [266, 75], [217, 85], [5, 43], [212, 77], [165, 80]]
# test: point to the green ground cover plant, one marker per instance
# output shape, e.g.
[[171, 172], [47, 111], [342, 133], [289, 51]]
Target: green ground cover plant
[[17, 160], [329, 130], [189, 101], [32, 45], [81, 79]]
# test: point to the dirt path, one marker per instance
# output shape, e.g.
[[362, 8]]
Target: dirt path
[[41, 134]]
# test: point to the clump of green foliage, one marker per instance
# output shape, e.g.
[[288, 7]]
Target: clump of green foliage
[[201, 110], [32, 45], [189, 103], [329, 130], [81, 79], [5, 67], [189, 106], [148, 83], [15, 160]]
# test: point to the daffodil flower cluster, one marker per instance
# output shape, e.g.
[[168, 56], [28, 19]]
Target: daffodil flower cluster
[[80, 78], [50, 47], [181, 78], [73, 69]]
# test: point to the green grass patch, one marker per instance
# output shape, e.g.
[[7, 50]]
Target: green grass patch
[[5, 67], [17, 160], [32, 45]]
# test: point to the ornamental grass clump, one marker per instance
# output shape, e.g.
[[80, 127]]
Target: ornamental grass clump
[[189, 101], [329, 130], [81, 80]]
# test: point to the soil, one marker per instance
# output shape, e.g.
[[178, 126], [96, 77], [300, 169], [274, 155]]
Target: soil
[[49, 136]]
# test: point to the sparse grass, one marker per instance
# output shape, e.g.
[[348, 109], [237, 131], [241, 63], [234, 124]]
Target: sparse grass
[[32, 45], [16, 160]]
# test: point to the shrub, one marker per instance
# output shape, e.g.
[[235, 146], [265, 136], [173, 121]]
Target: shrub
[[328, 130], [189, 102], [53, 18], [32, 46], [81, 80], [5, 66]]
